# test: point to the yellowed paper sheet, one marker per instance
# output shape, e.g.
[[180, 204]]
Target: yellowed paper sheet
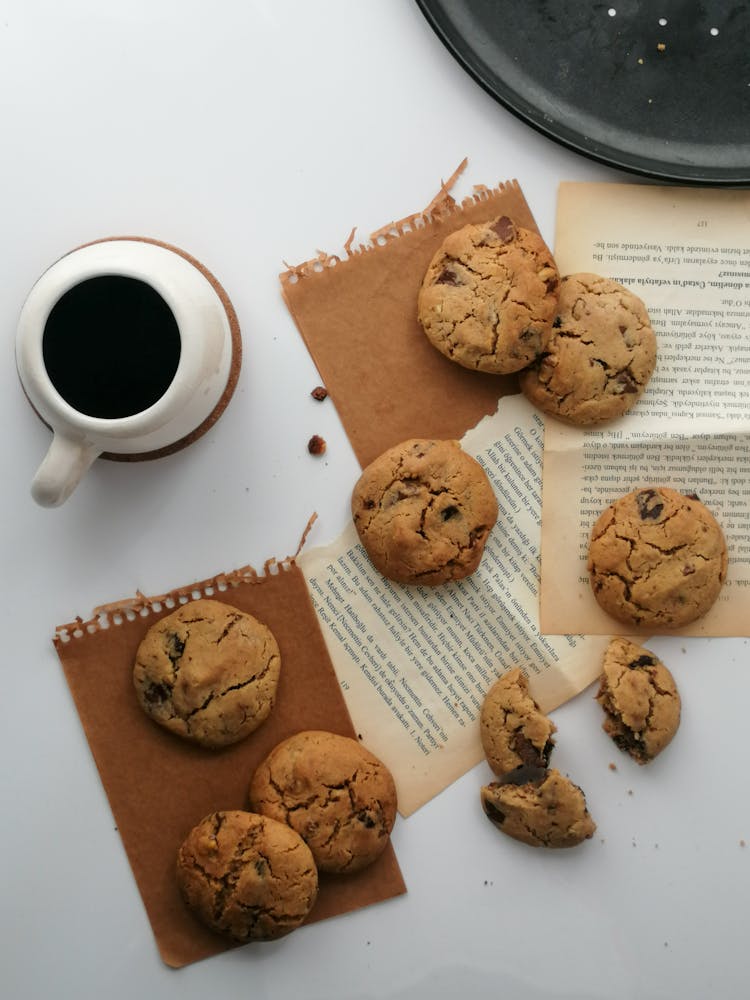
[[686, 252], [415, 662]]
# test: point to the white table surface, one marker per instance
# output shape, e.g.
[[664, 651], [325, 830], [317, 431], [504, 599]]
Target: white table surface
[[249, 133]]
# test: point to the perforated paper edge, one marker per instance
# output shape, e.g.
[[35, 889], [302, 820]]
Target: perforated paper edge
[[106, 616]]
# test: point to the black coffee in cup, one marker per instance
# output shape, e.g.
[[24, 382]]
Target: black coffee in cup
[[111, 346]]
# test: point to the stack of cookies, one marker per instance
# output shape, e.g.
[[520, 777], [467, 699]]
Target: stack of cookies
[[584, 350], [492, 300], [319, 802]]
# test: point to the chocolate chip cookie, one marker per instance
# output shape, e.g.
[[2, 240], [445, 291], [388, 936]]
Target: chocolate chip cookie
[[423, 511], [539, 807], [246, 876], [599, 356], [208, 673], [489, 296], [513, 729], [338, 796], [657, 558], [640, 700]]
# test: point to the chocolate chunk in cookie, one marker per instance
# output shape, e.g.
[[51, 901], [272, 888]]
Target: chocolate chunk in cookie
[[640, 700], [599, 357], [540, 807], [247, 877], [657, 558], [489, 296], [423, 511], [513, 729], [338, 796], [208, 673]]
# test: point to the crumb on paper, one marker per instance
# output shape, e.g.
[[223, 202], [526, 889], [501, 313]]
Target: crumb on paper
[[743, 844], [320, 393], [612, 766], [630, 791], [316, 445]]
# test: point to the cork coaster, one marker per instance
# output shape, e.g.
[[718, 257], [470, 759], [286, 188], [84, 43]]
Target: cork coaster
[[235, 364]]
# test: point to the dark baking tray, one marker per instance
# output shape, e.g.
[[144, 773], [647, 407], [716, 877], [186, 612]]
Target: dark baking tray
[[666, 100]]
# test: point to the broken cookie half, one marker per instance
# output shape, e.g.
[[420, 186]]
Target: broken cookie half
[[640, 700], [513, 729], [530, 801], [538, 806]]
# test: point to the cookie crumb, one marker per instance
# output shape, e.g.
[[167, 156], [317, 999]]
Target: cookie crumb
[[612, 766], [320, 393], [316, 445], [661, 47]]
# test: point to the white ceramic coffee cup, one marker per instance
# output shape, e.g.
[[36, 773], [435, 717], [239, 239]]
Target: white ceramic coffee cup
[[198, 384]]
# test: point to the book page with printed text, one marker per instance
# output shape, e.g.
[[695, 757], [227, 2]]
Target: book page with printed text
[[686, 253], [415, 662]]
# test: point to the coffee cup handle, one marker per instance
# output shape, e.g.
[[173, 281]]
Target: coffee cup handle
[[62, 469]]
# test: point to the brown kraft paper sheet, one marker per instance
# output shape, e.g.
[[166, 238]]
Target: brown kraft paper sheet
[[160, 786], [358, 318]]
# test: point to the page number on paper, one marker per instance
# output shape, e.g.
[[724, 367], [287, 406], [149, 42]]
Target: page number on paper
[[702, 224]]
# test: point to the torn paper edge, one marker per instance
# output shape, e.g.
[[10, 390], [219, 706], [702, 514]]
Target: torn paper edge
[[441, 207]]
